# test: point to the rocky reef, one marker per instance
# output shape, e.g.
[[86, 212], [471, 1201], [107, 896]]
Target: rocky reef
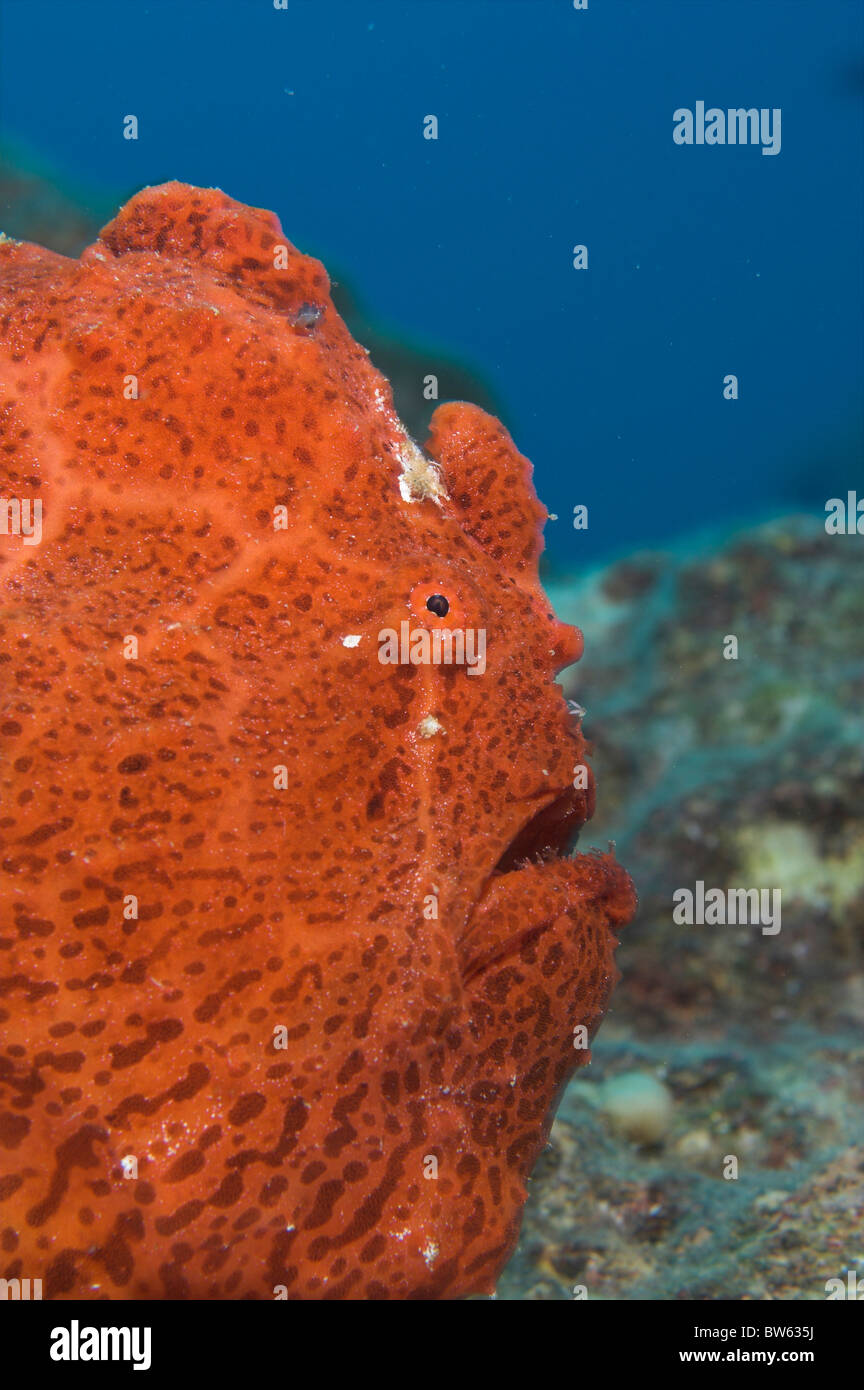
[[724, 1042]]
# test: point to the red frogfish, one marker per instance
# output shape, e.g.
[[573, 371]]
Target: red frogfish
[[293, 962]]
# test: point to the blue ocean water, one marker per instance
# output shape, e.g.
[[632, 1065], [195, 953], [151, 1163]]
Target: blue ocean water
[[554, 129]]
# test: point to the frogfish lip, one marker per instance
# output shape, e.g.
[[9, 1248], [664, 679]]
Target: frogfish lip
[[533, 881], [549, 834]]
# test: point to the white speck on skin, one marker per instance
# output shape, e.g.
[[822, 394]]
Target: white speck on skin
[[429, 727], [419, 478], [430, 1253], [351, 641]]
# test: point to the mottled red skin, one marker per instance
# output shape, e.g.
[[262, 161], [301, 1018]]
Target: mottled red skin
[[258, 1167]]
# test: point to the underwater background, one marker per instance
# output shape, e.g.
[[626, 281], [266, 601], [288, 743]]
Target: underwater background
[[454, 257]]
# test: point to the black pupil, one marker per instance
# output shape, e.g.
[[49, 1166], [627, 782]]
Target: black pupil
[[437, 603]]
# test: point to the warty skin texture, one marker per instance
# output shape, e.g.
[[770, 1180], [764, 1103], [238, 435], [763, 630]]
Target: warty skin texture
[[284, 1040]]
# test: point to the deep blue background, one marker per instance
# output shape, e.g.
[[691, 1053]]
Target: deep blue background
[[555, 128]]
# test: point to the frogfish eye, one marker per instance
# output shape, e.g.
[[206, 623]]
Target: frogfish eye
[[438, 604]]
